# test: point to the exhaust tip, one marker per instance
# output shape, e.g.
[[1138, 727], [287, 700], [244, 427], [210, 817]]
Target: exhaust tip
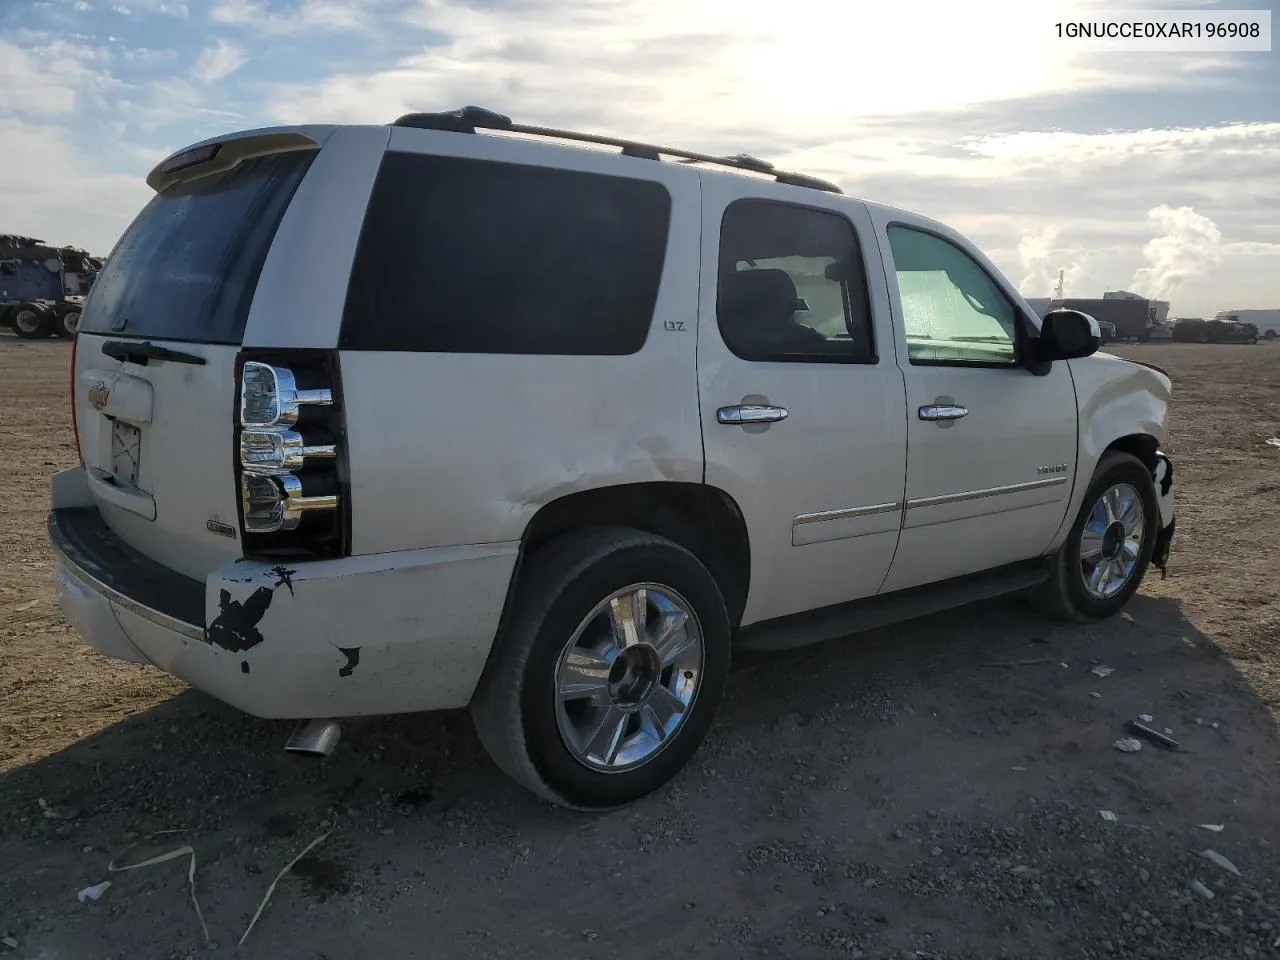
[[314, 738]]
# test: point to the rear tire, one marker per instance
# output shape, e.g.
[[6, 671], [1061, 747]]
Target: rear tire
[[67, 323], [1101, 564], [31, 322], [572, 712]]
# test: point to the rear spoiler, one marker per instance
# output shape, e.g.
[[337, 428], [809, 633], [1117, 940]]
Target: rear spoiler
[[214, 156]]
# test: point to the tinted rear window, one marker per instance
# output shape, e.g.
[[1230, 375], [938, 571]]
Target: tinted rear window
[[469, 256], [187, 266]]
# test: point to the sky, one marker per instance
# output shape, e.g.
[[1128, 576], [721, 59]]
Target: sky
[[1156, 172]]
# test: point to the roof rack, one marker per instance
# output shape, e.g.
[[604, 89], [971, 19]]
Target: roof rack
[[470, 119]]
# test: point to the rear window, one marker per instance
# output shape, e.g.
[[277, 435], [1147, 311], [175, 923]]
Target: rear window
[[187, 267], [470, 256]]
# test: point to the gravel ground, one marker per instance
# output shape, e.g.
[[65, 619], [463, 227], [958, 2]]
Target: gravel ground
[[894, 796]]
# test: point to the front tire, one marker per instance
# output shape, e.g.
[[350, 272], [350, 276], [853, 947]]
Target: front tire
[[609, 671], [1109, 546]]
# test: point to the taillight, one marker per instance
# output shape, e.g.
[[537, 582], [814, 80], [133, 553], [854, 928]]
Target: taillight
[[288, 448], [75, 426]]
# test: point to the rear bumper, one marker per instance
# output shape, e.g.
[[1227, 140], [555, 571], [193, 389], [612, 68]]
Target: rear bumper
[[389, 633]]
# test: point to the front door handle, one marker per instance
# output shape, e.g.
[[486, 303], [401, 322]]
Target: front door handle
[[943, 412], [745, 413]]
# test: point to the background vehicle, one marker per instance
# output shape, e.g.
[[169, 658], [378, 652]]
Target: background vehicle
[[564, 484], [1214, 331], [1267, 322], [42, 288]]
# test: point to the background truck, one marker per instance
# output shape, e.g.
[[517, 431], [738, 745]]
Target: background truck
[[1267, 321], [42, 288]]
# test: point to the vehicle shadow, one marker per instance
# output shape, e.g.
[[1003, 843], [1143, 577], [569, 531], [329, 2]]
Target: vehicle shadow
[[873, 795]]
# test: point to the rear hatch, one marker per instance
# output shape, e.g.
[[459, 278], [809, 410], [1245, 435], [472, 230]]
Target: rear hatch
[[154, 377]]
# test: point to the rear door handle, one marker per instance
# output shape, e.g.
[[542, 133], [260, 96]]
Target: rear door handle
[[745, 413], [943, 412]]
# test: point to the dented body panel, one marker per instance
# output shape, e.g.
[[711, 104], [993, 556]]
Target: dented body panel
[[1115, 399]]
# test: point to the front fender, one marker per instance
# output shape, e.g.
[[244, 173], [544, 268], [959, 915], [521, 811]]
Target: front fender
[[1116, 401]]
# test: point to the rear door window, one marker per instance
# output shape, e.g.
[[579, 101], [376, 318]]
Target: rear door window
[[471, 256], [187, 267]]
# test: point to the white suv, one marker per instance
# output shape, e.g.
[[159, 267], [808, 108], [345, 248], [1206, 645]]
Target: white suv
[[454, 412]]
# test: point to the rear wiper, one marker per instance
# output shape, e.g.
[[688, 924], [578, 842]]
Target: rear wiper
[[142, 353]]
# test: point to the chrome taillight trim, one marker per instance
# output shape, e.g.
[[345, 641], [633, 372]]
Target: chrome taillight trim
[[287, 398], [293, 506], [290, 448]]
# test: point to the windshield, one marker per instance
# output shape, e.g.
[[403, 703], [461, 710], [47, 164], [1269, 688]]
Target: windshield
[[187, 267]]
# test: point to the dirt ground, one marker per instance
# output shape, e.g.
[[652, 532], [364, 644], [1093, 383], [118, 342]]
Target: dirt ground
[[894, 796]]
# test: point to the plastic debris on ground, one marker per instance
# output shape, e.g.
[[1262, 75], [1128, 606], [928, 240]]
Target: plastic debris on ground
[[1211, 827], [191, 877], [1128, 745], [9, 942], [1153, 736], [1145, 717], [1108, 816], [1095, 694], [1033, 662], [279, 876], [1201, 889], [1101, 671], [1215, 857], [93, 892], [1273, 442]]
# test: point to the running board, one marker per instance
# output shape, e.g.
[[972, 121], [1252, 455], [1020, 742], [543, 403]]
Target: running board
[[869, 613]]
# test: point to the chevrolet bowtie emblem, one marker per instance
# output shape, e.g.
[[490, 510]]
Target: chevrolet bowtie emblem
[[99, 393]]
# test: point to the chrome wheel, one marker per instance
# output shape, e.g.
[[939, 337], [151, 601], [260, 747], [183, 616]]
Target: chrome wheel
[[1111, 541], [628, 678]]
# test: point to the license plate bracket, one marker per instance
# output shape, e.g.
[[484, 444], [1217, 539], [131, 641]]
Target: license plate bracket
[[126, 452]]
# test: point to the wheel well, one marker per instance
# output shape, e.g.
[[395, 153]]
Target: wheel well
[[704, 520], [1141, 445]]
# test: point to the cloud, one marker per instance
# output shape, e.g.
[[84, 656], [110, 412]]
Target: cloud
[[331, 15], [1043, 262], [1189, 247], [88, 207], [218, 61], [720, 70], [52, 78]]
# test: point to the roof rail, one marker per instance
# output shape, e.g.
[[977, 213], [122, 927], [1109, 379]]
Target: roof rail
[[471, 119]]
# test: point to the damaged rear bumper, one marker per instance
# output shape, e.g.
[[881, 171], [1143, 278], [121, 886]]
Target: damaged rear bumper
[[389, 633]]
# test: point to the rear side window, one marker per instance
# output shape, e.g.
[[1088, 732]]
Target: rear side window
[[470, 256], [187, 267]]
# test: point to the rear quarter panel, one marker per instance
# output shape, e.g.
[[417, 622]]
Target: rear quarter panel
[[465, 448]]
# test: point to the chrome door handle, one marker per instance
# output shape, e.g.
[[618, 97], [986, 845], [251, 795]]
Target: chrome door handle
[[745, 413], [943, 412]]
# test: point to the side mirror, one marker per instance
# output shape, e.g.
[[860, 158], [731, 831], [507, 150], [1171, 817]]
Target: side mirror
[[1066, 335]]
